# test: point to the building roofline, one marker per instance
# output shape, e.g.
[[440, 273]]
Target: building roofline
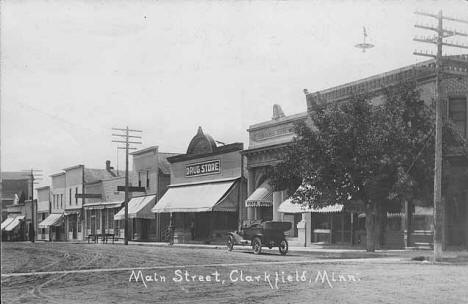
[[265, 148], [373, 77], [282, 120], [219, 150], [421, 71], [57, 174], [151, 148], [73, 167], [43, 187], [93, 182]]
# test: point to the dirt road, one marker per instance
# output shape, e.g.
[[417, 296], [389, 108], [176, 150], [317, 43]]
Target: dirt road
[[95, 273]]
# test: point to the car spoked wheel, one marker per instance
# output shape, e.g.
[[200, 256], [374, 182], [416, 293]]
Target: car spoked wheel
[[257, 245], [230, 243], [283, 247]]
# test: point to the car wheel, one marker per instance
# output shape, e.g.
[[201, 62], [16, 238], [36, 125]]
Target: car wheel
[[257, 245], [283, 247], [230, 243]]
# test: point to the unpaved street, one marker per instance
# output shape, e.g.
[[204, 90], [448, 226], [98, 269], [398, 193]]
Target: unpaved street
[[95, 273]]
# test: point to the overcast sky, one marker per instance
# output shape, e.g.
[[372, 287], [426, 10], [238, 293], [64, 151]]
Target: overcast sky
[[71, 70]]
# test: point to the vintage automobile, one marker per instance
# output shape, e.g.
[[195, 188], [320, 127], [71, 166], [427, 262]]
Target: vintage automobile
[[269, 234]]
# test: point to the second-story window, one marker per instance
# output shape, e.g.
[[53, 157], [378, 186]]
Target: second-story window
[[69, 196], [61, 200], [457, 113], [53, 201], [139, 179], [76, 199]]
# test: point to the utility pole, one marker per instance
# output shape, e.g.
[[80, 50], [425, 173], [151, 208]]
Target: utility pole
[[126, 134], [440, 68], [33, 176]]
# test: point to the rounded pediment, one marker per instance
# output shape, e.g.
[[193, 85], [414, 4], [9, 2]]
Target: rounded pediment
[[201, 143]]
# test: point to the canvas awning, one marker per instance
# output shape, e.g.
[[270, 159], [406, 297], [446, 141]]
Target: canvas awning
[[261, 197], [15, 223], [54, 219], [138, 207], [103, 205], [288, 207], [7, 222], [200, 197]]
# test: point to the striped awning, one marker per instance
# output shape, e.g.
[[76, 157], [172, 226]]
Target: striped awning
[[261, 197], [15, 223], [288, 207], [138, 207], [54, 219], [7, 222]]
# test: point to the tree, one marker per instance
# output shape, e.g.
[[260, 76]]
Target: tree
[[375, 153]]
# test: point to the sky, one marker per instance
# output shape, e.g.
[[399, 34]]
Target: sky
[[72, 70]]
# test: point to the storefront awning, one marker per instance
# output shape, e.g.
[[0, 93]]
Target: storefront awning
[[288, 207], [138, 207], [261, 197], [54, 219], [7, 222], [211, 196], [15, 223], [103, 205]]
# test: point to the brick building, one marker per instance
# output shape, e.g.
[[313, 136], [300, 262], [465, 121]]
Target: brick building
[[412, 226]]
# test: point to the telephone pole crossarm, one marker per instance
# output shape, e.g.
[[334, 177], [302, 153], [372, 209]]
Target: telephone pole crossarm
[[124, 138], [439, 208]]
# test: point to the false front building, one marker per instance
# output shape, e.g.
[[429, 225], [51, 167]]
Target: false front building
[[150, 172], [206, 190]]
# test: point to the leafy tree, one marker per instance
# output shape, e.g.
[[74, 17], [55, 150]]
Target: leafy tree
[[377, 153]]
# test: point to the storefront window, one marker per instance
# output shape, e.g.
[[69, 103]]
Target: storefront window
[[111, 220], [104, 218], [457, 113], [88, 219], [98, 219], [78, 222], [147, 180]]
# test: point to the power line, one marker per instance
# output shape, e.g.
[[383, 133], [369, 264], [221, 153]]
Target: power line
[[440, 67], [126, 134]]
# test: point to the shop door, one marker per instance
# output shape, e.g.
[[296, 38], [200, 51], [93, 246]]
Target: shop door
[[202, 225], [75, 226], [103, 217], [93, 224], [456, 218]]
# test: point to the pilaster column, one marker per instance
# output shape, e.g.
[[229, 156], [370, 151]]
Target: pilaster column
[[277, 199], [250, 190], [304, 229]]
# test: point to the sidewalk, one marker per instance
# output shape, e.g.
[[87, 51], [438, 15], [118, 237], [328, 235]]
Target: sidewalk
[[318, 250], [455, 255]]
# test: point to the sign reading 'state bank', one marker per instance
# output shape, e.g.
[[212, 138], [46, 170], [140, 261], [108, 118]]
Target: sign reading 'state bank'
[[204, 168]]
